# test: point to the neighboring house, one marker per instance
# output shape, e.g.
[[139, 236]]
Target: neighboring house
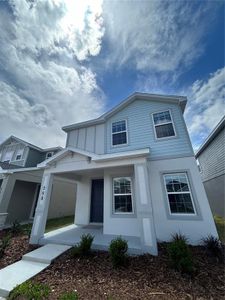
[[136, 175], [20, 182], [211, 158]]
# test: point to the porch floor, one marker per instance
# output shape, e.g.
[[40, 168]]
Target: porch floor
[[70, 235]]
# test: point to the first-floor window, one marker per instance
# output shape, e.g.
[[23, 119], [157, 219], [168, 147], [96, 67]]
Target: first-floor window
[[179, 193], [122, 195]]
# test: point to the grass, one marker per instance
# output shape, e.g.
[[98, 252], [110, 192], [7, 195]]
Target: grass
[[53, 224], [220, 225]]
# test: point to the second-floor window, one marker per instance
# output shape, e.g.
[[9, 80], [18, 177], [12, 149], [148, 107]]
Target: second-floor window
[[19, 154], [163, 124], [119, 133], [49, 154]]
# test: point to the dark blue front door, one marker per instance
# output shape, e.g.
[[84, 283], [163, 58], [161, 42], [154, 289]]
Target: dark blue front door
[[97, 201]]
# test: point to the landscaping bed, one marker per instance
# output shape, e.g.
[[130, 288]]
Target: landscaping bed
[[145, 277], [18, 246]]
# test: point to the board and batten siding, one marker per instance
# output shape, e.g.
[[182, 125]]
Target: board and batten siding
[[87, 138], [212, 159], [141, 131]]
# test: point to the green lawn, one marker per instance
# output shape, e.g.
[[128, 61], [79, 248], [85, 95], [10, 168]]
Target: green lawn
[[53, 224], [220, 225]]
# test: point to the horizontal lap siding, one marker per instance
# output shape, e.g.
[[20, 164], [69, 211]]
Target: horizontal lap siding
[[141, 131], [212, 159]]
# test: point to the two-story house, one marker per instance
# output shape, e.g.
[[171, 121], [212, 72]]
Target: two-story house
[[20, 182], [211, 158], [136, 176]]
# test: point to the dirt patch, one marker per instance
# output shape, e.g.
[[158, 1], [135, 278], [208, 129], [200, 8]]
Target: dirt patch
[[18, 246], [146, 277]]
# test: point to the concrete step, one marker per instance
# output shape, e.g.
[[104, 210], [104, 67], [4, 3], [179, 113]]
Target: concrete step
[[46, 254], [17, 273], [31, 264]]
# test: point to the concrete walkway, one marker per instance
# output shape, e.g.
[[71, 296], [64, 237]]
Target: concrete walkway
[[31, 264]]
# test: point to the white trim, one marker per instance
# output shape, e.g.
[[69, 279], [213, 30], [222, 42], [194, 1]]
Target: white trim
[[125, 194], [112, 133], [121, 155], [180, 100], [95, 157], [178, 193], [165, 123], [11, 171]]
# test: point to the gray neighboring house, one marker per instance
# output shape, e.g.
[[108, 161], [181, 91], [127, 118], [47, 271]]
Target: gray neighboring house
[[20, 181], [211, 158]]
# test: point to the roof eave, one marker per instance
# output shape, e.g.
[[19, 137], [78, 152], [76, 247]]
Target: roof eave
[[181, 100]]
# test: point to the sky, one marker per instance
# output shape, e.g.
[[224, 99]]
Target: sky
[[65, 61]]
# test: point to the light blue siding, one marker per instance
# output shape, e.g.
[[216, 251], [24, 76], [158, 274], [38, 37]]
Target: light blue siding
[[141, 131]]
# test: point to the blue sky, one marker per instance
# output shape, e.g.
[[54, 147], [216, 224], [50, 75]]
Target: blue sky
[[65, 61]]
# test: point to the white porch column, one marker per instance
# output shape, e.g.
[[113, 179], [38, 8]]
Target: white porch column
[[41, 212], [6, 190], [144, 209]]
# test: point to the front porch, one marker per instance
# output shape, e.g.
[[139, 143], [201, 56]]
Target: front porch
[[70, 235], [112, 191]]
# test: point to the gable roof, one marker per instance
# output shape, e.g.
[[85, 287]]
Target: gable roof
[[12, 137], [180, 100], [211, 136], [94, 157]]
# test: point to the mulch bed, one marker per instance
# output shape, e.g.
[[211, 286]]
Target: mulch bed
[[146, 277], [18, 246]]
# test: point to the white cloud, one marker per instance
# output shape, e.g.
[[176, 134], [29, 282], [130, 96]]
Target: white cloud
[[206, 106], [44, 84], [161, 36]]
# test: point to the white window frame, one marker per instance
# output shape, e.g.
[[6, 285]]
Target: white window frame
[[46, 156], [183, 192], [118, 145], [165, 123], [127, 194]]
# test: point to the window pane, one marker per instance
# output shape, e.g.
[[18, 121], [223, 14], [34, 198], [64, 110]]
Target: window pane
[[180, 203], [123, 203], [176, 183], [119, 126], [122, 185], [164, 130], [119, 138], [162, 117]]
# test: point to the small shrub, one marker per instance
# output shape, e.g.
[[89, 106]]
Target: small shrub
[[84, 247], [27, 229], [69, 296], [118, 252], [179, 254], [214, 246], [16, 228], [3, 244], [30, 291]]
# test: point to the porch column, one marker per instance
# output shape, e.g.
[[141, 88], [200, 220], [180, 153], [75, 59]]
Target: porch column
[[144, 209], [41, 212], [6, 190]]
